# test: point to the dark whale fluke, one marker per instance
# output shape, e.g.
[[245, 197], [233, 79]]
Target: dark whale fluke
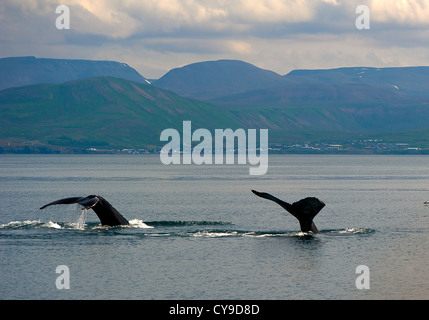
[[304, 210], [108, 215]]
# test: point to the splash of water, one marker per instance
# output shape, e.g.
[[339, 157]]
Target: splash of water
[[80, 223]]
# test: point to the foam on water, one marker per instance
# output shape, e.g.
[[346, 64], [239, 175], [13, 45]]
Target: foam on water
[[349, 231], [29, 224], [80, 224], [137, 223], [215, 234]]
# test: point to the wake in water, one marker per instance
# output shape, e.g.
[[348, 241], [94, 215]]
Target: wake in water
[[79, 225], [30, 224], [267, 234], [194, 229]]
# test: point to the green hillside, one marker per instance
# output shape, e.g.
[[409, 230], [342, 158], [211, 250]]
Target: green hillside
[[99, 112], [107, 112]]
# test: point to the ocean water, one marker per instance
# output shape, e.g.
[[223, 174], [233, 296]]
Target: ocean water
[[197, 232]]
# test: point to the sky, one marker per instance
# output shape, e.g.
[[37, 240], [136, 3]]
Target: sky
[[154, 36]]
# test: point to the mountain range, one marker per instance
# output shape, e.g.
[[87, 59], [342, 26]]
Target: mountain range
[[102, 104], [230, 83]]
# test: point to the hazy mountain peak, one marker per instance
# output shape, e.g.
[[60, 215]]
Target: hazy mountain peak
[[22, 71], [210, 79]]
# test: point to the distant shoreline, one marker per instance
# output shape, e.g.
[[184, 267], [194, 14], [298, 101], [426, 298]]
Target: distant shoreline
[[43, 149]]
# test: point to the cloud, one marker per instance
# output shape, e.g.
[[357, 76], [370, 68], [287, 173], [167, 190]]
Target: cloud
[[410, 12], [280, 35], [122, 19], [272, 11]]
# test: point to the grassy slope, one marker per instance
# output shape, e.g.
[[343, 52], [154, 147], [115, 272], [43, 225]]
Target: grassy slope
[[99, 111], [113, 112]]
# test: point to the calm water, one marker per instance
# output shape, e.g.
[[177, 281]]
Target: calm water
[[211, 237]]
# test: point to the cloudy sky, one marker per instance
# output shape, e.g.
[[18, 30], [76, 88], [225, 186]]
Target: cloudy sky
[[154, 36]]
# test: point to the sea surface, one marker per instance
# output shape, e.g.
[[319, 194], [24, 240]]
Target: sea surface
[[197, 232]]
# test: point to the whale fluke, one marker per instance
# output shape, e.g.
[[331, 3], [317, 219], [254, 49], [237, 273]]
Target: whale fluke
[[304, 210], [108, 215]]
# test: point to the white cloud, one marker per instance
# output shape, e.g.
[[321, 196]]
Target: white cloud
[[126, 18], [411, 12], [157, 35], [271, 11]]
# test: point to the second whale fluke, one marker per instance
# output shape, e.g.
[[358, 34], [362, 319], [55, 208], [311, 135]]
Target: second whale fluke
[[304, 210]]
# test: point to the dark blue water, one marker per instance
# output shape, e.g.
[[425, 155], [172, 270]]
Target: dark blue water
[[197, 232]]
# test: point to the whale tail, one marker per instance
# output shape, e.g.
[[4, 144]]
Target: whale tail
[[107, 214], [304, 210]]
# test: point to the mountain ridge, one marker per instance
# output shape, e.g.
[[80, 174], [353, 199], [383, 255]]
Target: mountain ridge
[[210, 79], [23, 71], [397, 85]]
